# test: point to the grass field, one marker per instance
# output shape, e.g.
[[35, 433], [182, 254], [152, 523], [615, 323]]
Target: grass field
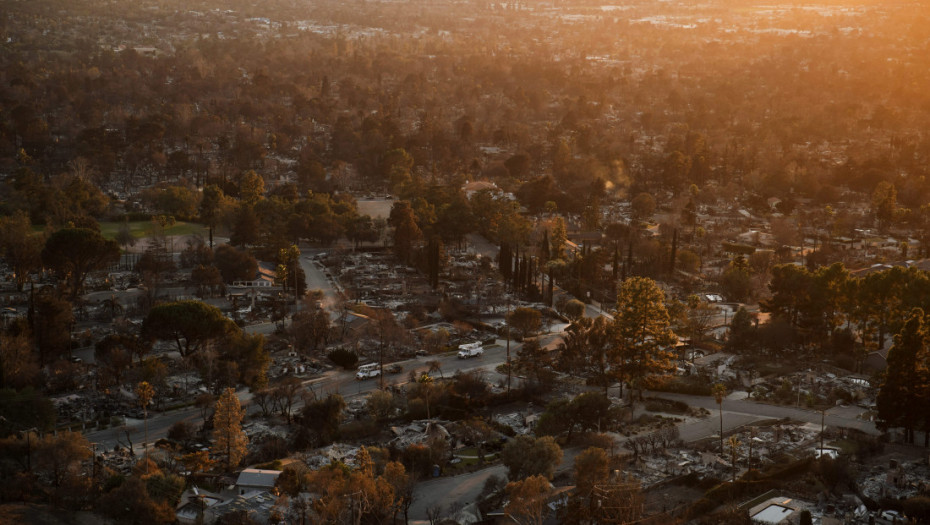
[[142, 229]]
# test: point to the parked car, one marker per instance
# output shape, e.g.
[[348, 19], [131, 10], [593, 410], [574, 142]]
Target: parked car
[[395, 369], [892, 515]]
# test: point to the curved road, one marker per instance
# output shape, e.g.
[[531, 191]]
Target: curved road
[[456, 491], [335, 381]]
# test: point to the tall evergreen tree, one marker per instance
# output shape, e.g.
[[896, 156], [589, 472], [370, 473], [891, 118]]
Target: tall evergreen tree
[[544, 247], [905, 392], [228, 438], [643, 336]]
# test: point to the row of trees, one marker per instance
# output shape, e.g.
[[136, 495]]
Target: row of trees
[[637, 343], [825, 305], [71, 252], [62, 468], [904, 390], [267, 114], [602, 493], [373, 490]]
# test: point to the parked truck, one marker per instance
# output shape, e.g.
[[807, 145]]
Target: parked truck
[[368, 371], [470, 350]]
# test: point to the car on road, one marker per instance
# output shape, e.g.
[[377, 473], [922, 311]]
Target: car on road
[[470, 350], [395, 369], [368, 371], [892, 516], [421, 353]]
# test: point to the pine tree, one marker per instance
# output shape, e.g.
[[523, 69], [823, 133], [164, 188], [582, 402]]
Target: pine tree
[[505, 262], [904, 390], [530, 273], [228, 437], [642, 331], [544, 247]]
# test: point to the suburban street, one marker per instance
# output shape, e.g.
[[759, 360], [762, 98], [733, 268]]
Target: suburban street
[[449, 492], [459, 490], [335, 381]]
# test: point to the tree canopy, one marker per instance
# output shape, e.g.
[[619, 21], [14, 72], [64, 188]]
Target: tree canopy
[[74, 252], [905, 387], [643, 340], [525, 456], [190, 324]]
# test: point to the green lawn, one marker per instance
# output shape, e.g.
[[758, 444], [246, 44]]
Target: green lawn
[[142, 229]]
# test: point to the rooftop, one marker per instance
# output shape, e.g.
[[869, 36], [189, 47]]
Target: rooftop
[[252, 477]]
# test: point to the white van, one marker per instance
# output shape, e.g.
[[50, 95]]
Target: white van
[[470, 350], [368, 371]]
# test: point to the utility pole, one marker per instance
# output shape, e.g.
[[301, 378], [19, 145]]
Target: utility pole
[[507, 322], [823, 415], [508, 358]]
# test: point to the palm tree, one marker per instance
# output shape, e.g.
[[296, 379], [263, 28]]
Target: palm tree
[[435, 366], [145, 392], [720, 391], [426, 382], [734, 443]]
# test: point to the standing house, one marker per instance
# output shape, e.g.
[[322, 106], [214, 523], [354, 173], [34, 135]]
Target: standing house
[[252, 479], [264, 278]]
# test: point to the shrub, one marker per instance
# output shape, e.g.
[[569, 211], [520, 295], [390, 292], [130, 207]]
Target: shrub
[[416, 459], [344, 358], [359, 430], [493, 485], [271, 465], [692, 385], [666, 405], [918, 507], [504, 429], [181, 432], [594, 439]]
